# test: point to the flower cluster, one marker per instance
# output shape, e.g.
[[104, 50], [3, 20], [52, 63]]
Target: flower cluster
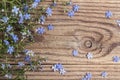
[[59, 67]]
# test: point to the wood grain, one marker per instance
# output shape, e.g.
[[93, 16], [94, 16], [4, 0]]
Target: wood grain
[[87, 31]]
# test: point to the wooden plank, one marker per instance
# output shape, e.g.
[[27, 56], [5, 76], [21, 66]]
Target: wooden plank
[[88, 25]]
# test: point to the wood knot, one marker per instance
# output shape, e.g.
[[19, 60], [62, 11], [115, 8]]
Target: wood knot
[[88, 44]]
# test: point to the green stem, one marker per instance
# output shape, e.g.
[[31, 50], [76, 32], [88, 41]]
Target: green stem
[[5, 7]]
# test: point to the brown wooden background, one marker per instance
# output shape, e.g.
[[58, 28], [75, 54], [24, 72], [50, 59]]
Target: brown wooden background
[[88, 24]]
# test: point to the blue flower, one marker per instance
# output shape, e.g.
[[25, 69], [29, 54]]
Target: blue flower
[[27, 16], [118, 22], [50, 27], [37, 1], [14, 37], [9, 76], [6, 42], [4, 19], [21, 20], [15, 10], [40, 30], [116, 59], [10, 49], [75, 8], [25, 8], [57, 67], [42, 19], [89, 55], [3, 66], [49, 11], [88, 75], [27, 58], [71, 13], [9, 28], [21, 64], [54, 3], [75, 52], [104, 74], [62, 71], [34, 5], [108, 14]]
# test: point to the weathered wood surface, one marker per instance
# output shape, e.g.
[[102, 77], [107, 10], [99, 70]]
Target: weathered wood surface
[[88, 26]]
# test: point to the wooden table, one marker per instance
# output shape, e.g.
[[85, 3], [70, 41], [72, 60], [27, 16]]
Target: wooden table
[[87, 31]]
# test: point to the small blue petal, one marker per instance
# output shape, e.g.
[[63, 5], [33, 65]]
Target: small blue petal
[[104, 74], [21, 64], [108, 14], [15, 10], [27, 58], [34, 4], [37, 1], [75, 8], [4, 19], [49, 11], [10, 49], [50, 27], [27, 16], [9, 28], [40, 30], [88, 76], [42, 19], [6, 42], [116, 59], [71, 13], [75, 52], [59, 66], [14, 37]]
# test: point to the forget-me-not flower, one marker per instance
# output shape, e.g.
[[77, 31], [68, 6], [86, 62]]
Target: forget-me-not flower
[[27, 58], [62, 71], [14, 37], [88, 75], [71, 13], [9, 28], [21, 64], [21, 19], [6, 42], [27, 16], [3, 66], [42, 19], [50, 27], [4, 19], [89, 55], [9, 76], [75, 8], [108, 14], [40, 30], [10, 49], [57, 67], [15, 10], [34, 4], [49, 11], [104, 74], [25, 8], [37, 1], [116, 59]]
